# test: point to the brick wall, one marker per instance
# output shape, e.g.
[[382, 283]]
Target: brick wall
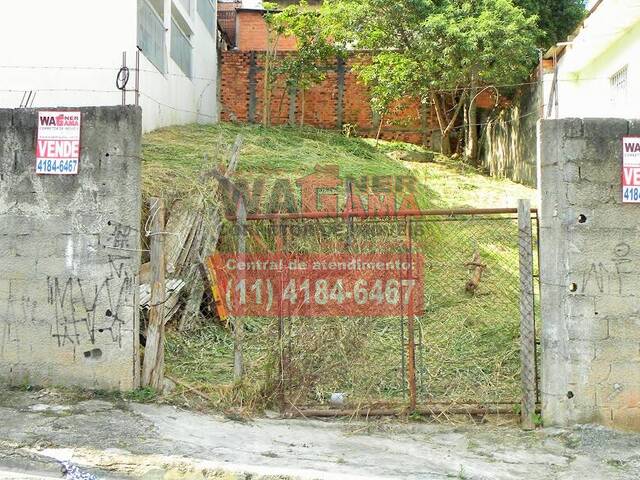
[[251, 33], [341, 99]]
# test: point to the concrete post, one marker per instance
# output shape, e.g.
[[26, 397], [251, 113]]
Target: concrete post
[[590, 263]]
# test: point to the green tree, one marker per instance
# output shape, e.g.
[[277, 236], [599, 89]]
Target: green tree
[[445, 52], [556, 18], [307, 65], [388, 77]]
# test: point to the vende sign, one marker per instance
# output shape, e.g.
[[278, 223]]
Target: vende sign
[[58, 144]]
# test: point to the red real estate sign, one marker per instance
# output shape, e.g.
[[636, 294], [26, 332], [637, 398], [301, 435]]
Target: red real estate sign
[[631, 170], [58, 145]]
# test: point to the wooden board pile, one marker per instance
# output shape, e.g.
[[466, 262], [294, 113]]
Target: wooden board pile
[[191, 235]]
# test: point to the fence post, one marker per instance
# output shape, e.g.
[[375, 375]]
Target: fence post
[[527, 325], [153, 365], [411, 340], [238, 323]]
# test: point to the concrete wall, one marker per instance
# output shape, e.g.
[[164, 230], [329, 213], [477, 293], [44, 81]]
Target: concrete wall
[[72, 51], [590, 265], [69, 255], [509, 144]]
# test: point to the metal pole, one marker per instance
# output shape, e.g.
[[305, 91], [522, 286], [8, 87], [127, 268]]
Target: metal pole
[[411, 341], [238, 323], [281, 324], [556, 100], [124, 90], [349, 188], [527, 325], [541, 84], [390, 215], [137, 76]]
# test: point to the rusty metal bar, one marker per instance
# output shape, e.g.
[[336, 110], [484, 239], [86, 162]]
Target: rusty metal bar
[[282, 364], [137, 95], [400, 214], [386, 412], [124, 86]]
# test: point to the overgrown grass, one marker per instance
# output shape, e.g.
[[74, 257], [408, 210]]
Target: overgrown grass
[[174, 158], [469, 347]]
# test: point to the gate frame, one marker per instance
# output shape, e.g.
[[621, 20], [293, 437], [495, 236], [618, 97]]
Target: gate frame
[[528, 346]]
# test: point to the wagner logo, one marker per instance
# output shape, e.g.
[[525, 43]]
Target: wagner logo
[[631, 149], [58, 142], [48, 121], [61, 120]]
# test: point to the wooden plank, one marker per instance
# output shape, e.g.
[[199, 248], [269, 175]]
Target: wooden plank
[[206, 242], [153, 365], [527, 323]]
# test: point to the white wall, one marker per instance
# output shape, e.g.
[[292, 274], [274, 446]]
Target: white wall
[[609, 41], [173, 98], [70, 51]]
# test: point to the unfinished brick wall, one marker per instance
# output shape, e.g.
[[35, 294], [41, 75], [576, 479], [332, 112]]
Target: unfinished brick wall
[[251, 32], [341, 99]]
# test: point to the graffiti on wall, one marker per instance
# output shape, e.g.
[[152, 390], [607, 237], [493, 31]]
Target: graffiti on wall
[[80, 309]]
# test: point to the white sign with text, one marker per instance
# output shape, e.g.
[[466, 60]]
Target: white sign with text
[[631, 170], [58, 144]]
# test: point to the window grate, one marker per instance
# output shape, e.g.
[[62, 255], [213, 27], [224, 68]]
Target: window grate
[[181, 49], [151, 35], [207, 12], [619, 84]]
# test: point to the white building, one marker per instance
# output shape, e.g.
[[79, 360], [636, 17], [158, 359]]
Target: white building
[[599, 67], [69, 52]]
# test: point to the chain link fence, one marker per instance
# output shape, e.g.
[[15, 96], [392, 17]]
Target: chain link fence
[[461, 345]]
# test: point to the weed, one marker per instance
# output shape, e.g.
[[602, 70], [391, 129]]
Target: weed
[[537, 420], [141, 395]]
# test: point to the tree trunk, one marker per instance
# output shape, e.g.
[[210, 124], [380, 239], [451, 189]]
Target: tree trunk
[[446, 122], [471, 150], [445, 144], [302, 107], [379, 129]]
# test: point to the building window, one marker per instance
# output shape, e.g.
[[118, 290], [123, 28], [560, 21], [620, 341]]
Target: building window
[[151, 35], [207, 12], [618, 82], [181, 49]]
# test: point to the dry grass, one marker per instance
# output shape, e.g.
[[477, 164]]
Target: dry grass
[[469, 348]]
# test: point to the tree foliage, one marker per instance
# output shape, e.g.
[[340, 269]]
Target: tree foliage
[[307, 65], [443, 51], [556, 18]]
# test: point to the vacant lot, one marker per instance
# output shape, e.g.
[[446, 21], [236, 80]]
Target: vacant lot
[[468, 342]]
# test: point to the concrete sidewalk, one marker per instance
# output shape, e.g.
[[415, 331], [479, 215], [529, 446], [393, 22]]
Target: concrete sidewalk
[[127, 440]]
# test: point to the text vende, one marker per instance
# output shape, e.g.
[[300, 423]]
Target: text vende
[[58, 149]]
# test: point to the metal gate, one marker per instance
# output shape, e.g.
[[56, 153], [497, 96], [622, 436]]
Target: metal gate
[[456, 348]]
